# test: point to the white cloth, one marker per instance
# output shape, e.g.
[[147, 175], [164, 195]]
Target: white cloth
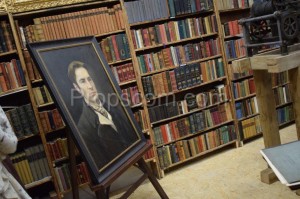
[[9, 186]]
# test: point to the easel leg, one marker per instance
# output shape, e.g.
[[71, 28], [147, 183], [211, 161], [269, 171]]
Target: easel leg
[[102, 194], [153, 180], [295, 92]]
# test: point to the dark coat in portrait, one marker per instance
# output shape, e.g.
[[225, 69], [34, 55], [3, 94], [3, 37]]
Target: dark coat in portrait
[[102, 141]]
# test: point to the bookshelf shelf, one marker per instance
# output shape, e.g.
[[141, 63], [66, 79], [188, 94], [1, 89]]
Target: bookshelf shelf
[[253, 136], [37, 183], [286, 83], [230, 60], [197, 133], [37, 81], [186, 114], [286, 123], [226, 11], [27, 137], [110, 33], [128, 82], [55, 130], [45, 105], [137, 105], [170, 68], [174, 42], [54, 162], [249, 116], [8, 53], [242, 78], [232, 37], [246, 97], [120, 62], [150, 160], [283, 105], [13, 91], [189, 88], [201, 154]]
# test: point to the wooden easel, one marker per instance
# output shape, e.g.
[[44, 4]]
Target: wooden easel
[[262, 65], [102, 190]]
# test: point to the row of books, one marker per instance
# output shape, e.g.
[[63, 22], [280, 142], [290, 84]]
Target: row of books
[[144, 10], [191, 102], [232, 28], [31, 68], [249, 127], [23, 120], [64, 177], [239, 71], [282, 94], [178, 55], [150, 153], [42, 95], [180, 7], [230, 4], [235, 48], [58, 148], [11, 75], [174, 31], [182, 77], [140, 117], [131, 95], [6, 37], [279, 78], [243, 88], [115, 47], [51, 120], [31, 164], [246, 108], [124, 73], [285, 114], [192, 124], [73, 24], [188, 148]]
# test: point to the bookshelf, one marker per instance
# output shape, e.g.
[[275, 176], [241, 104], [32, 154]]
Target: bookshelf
[[241, 77], [159, 46]]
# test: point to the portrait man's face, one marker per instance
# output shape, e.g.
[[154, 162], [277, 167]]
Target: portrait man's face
[[85, 85]]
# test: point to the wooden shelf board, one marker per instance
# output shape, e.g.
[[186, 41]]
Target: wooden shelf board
[[45, 105], [189, 113], [249, 116], [201, 154], [110, 33], [120, 61], [189, 88], [283, 105], [174, 42], [232, 10], [242, 78], [25, 137], [13, 91], [190, 62], [253, 136], [8, 53], [283, 84], [39, 182], [197, 133], [246, 97], [126, 83]]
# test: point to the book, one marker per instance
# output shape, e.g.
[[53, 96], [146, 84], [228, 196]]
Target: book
[[284, 160]]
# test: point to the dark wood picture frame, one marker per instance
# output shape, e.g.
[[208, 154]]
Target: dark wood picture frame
[[52, 59]]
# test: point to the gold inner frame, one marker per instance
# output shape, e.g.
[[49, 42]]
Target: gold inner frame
[[15, 6]]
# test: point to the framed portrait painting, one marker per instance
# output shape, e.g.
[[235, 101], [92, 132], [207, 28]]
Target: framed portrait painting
[[90, 101]]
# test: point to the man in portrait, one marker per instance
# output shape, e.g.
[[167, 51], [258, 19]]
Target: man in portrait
[[100, 124]]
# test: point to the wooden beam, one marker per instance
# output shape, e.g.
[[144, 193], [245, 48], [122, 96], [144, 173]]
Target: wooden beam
[[266, 107], [294, 78]]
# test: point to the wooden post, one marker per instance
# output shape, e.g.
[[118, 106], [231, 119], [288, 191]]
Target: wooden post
[[295, 93], [267, 108]]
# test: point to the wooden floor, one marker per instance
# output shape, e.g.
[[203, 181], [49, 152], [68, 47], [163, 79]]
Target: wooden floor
[[230, 174]]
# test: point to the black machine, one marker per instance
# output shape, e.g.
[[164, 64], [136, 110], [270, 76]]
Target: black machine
[[272, 22]]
